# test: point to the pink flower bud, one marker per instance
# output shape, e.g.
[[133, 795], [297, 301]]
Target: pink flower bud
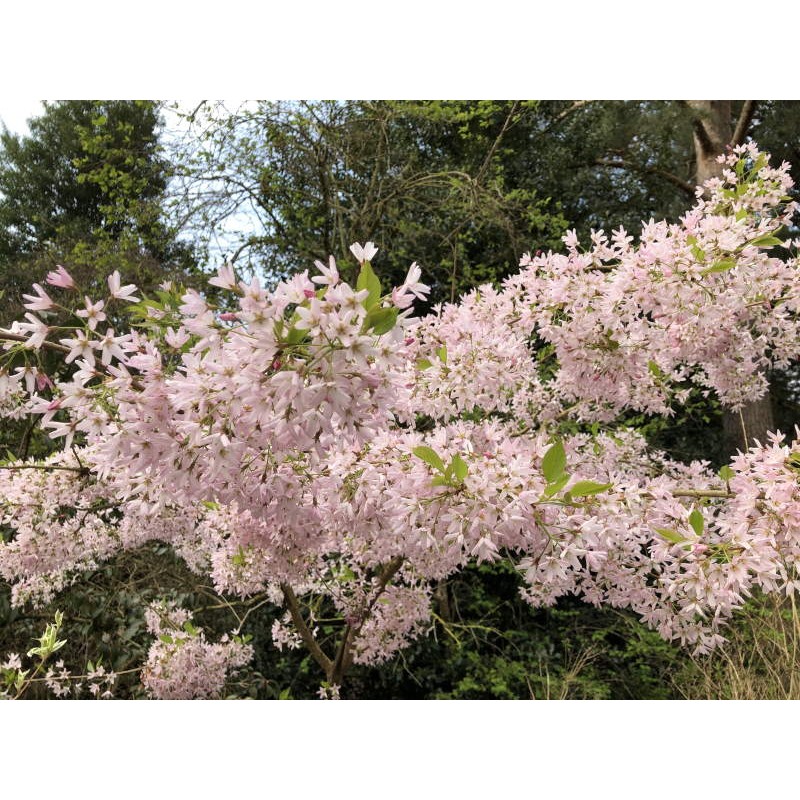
[[60, 277], [43, 380]]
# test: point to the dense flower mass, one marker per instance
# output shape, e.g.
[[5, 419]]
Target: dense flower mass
[[319, 440], [182, 664]]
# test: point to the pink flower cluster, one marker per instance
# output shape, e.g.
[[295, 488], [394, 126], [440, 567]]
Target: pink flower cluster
[[627, 326], [182, 664], [273, 442]]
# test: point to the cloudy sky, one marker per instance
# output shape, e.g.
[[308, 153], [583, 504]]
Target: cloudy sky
[[13, 113]]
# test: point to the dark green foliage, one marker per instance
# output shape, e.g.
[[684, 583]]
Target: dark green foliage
[[494, 646], [429, 181], [87, 168], [86, 188]]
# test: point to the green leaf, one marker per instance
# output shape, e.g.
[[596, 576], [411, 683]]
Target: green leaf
[[696, 521], [239, 558], [368, 280], [429, 456], [555, 487], [459, 467], [670, 535], [442, 353], [655, 370], [587, 488], [554, 462], [726, 473], [381, 320], [423, 363], [296, 335], [767, 241], [440, 480], [719, 266], [210, 505]]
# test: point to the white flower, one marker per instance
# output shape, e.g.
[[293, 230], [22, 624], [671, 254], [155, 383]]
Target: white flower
[[412, 284], [36, 328], [225, 278], [94, 312], [120, 292], [365, 253], [38, 302], [330, 275]]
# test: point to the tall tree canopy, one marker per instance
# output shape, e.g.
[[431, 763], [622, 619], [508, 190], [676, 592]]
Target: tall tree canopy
[[87, 187], [429, 181]]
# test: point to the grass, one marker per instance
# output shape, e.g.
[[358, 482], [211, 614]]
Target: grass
[[761, 660]]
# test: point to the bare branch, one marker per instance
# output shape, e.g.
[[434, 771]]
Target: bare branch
[[17, 337], [496, 143], [699, 493], [47, 467], [684, 186], [578, 104], [305, 634], [743, 123]]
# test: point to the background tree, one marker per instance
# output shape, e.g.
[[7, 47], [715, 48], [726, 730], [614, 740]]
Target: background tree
[[428, 181], [86, 188]]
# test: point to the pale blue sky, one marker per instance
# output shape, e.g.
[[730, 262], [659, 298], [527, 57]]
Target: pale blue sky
[[225, 238]]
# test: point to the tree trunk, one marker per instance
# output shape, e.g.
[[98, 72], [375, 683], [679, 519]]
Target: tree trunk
[[713, 132]]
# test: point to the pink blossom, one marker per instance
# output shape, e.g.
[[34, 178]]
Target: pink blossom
[[119, 292], [330, 275], [92, 313], [40, 302], [60, 277], [225, 278], [283, 451]]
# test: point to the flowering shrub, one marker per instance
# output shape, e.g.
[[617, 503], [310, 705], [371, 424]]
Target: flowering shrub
[[319, 443]]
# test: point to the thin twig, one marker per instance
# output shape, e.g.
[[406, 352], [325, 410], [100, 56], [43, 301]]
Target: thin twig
[[10, 336], [683, 185]]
